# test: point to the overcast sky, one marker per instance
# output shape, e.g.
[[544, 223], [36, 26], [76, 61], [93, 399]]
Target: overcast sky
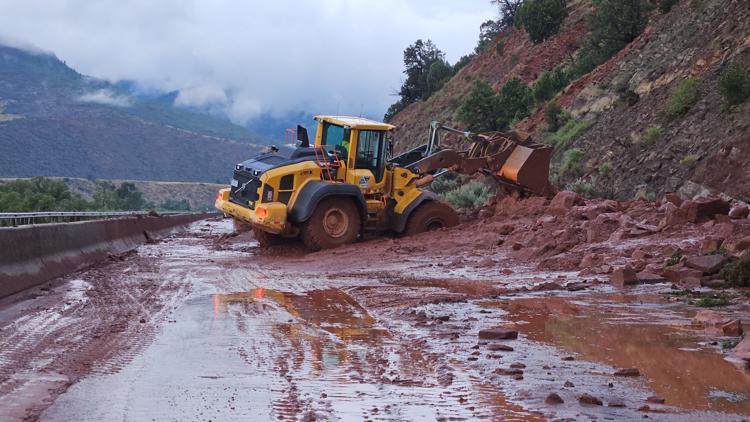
[[249, 56]]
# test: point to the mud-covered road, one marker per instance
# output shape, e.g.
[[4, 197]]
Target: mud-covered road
[[203, 326]]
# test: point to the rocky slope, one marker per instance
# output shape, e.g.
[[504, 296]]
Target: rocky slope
[[705, 149], [57, 122]]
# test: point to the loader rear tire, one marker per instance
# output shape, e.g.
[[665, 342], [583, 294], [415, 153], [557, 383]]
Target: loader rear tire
[[267, 240], [429, 216], [334, 222]]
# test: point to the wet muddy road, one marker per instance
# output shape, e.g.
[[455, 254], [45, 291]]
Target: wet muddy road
[[206, 327]]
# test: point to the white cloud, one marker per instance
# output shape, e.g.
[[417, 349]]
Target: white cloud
[[106, 97], [249, 56]]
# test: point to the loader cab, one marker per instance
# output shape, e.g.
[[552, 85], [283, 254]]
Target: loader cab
[[361, 144]]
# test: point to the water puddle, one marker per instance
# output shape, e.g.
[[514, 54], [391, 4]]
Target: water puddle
[[331, 310], [644, 332]]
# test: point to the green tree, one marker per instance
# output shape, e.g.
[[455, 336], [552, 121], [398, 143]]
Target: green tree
[[508, 10], [613, 25], [541, 18], [484, 110], [426, 72], [39, 194], [480, 111], [126, 197], [515, 100]]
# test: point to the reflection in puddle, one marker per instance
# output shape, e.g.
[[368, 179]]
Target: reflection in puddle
[[638, 336], [332, 310]]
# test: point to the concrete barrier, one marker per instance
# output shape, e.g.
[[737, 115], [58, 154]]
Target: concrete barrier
[[32, 255]]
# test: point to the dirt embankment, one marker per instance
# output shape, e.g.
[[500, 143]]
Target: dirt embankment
[[632, 145]]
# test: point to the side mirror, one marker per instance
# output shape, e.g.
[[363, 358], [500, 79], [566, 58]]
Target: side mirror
[[302, 138]]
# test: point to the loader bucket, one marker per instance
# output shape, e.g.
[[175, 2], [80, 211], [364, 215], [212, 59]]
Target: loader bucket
[[528, 167]]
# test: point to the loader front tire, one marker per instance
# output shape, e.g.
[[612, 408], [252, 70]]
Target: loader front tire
[[334, 222], [431, 215]]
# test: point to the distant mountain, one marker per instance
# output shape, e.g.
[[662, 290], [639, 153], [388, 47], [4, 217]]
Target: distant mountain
[[56, 122]]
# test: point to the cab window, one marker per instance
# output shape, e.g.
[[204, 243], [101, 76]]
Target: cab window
[[336, 137], [370, 152]]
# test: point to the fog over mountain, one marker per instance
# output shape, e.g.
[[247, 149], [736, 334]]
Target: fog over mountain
[[246, 59]]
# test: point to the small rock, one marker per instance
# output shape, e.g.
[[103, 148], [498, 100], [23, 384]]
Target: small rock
[[673, 198], [554, 398], [546, 286], [509, 372], [623, 277], [646, 277], [707, 264], [644, 408], [655, 400], [566, 200], [576, 286], [486, 262], [627, 372], [739, 245], [616, 403], [499, 348], [569, 384], [589, 399], [143, 320], [518, 377], [640, 254], [517, 365], [498, 334], [568, 358], [711, 244], [732, 328], [739, 212]]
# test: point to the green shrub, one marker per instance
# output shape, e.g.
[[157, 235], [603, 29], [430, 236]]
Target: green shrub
[[675, 258], [683, 97], [737, 272], [447, 182], [666, 5], [549, 84], [711, 302], [590, 188], [689, 159], [555, 116], [734, 84], [469, 196], [650, 136], [571, 165], [604, 169], [541, 18], [569, 133]]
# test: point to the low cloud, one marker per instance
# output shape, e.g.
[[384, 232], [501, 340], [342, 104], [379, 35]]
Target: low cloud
[[248, 57], [106, 97]]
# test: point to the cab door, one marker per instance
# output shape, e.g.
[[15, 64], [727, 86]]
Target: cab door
[[368, 169]]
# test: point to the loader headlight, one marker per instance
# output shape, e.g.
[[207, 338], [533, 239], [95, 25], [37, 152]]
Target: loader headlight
[[261, 213]]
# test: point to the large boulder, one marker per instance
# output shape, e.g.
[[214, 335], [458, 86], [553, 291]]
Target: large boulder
[[623, 277], [708, 264], [739, 212], [566, 200], [704, 209]]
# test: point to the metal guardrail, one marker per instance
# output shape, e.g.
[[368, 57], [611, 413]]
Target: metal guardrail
[[23, 218]]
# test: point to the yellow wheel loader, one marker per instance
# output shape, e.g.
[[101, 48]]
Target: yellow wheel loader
[[346, 183]]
